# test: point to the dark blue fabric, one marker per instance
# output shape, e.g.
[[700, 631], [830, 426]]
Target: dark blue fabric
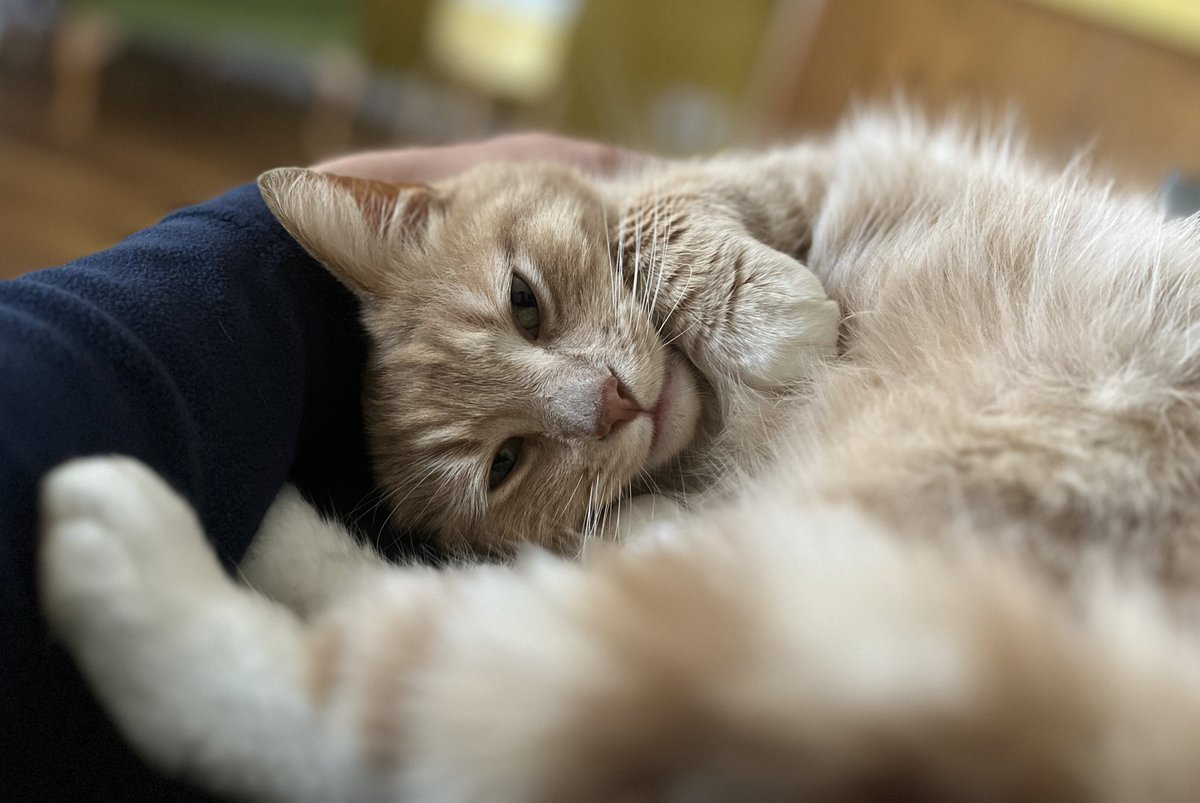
[[212, 348]]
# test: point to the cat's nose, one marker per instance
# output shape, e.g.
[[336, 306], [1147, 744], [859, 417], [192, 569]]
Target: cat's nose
[[617, 407]]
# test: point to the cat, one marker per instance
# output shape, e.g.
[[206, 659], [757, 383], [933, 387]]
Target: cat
[[957, 559]]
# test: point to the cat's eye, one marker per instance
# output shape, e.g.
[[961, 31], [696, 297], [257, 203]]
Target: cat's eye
[[506, 459], [525, 307]]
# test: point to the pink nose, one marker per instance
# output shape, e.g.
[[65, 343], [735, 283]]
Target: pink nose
[[616, 407]]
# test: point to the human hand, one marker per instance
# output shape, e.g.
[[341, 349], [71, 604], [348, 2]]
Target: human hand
[[426, 164]]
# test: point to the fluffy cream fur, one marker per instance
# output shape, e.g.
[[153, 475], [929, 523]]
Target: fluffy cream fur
[[958, 561]]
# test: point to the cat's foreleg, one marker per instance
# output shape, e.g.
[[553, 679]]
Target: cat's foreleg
[[774, 653], [300, 558], [721, 275], [638, 521], [203, 676]]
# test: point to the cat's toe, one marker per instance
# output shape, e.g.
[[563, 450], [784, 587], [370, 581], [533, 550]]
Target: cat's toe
[[117, 507], [119, 492], [84, 573], [811, 339], [792, 353], [782, 324]]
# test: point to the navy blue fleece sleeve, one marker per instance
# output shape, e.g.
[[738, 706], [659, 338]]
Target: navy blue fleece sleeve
[[215, 350]]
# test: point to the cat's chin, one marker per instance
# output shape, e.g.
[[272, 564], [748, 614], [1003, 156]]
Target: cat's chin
[[675, 414]]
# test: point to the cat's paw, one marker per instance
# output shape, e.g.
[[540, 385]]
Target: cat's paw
[[118, 546], [198, 674], [301, 559], [635, 518], [780, 323]]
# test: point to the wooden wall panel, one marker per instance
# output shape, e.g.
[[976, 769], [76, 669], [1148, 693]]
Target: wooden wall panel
[[1074, 82]]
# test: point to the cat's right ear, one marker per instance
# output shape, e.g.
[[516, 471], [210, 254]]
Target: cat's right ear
[[358, 228]]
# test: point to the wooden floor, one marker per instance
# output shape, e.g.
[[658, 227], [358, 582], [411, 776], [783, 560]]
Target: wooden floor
[[165, 137]]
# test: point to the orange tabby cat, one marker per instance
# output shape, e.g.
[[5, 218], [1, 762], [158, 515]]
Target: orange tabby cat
[[956, 562]]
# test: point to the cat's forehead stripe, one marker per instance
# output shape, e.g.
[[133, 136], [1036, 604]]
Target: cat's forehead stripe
[[447, 438], [521, 262]]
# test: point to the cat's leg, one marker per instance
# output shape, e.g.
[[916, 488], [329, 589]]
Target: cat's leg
[[203, 676], [737, 307], [637, 521], [773, 653], [775, 325], [300, 558]]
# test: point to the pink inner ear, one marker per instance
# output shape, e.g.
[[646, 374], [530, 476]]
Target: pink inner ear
[[383, 203]]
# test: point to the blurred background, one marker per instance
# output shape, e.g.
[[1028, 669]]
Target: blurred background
[[114, 112]]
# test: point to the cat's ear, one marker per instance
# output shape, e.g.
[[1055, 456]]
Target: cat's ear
[[356, 227]]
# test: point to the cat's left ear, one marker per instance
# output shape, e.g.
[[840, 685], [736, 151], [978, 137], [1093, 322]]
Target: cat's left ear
[[356, 227]]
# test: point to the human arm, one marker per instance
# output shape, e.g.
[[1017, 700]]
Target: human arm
[[191, 346]]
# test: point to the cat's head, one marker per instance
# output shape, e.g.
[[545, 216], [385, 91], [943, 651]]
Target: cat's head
[[514, 382]]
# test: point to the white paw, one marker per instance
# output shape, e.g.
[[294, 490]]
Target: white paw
[[118, 545], [199, 674], [300, 559], [785, 324], [639, 521], [807, 337], [637, 516]]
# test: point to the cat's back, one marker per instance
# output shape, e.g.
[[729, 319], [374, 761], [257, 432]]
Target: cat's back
[[1020, 351]]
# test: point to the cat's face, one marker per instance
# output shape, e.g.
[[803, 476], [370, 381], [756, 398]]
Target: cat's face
[[515, 384]]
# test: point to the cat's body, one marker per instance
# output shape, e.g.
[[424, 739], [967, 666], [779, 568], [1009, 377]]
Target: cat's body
[[965, 569]]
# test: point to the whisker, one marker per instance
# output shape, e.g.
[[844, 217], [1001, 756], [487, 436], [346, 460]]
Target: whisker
[[651, 258], [637, 254], [661, 265], [679, 296], [680, 333], [589, 518], [614, 271]]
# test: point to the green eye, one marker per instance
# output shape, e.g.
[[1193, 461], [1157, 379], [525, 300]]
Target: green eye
[[525, 307], [504, 462]]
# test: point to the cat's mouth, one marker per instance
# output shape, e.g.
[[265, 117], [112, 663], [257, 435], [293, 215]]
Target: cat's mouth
[[675, 414]]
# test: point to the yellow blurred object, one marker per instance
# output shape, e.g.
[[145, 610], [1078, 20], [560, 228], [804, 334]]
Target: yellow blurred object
[[512, 49], [1174, 21]]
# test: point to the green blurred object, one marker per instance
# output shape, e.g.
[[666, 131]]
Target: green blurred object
[[284, 24]]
